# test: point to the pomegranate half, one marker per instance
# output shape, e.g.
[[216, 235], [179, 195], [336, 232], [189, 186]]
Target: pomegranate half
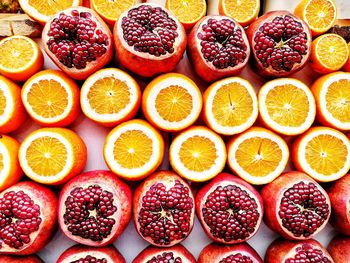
[[20, 259], [94, 208]]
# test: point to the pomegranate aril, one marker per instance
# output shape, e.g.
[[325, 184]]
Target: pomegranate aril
[[90, 259], [166, 257], [237, 258], [308, 254]]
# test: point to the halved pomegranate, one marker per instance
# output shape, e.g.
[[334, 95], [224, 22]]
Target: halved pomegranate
[[218, 47], [217, 253], [85, 254], [280, 43], [296, 206], [78, 41], [288, 251], [149, 40], [174, 254], [94, 208], [229, 209], [28, 213], [339, 249], [163, 209], [20, 259]]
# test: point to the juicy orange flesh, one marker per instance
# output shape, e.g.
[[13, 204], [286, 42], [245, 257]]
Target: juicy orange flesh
[[133, 149], [332, 51], [187, 10], [287, 105], [174, 103], [112, 9], [326, 154], [198, 154], [232, 105], [15, 53], [46, 156], [1, 162], [48, 98], [50, 7], [319, 14], [258, 156], [338, 100], [109, 95], [240, 10], [2, 102]]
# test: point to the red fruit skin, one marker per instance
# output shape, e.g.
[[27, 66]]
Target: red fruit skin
[[91, 67], [220, 178], [151, 251], [214, 253], [108, 251], [339, 194], [19, 259], [124, 200], [49, 204], [339, 249]]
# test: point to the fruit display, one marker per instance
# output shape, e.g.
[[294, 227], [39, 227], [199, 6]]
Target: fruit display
[[175, 131]]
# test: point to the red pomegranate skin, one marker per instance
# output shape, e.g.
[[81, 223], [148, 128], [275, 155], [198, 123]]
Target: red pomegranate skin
[[174, 254], [339, 249], [42, 205], [218, 253], [111, 193], [339, 194], [91, 254], [20, 259], [255, 209]]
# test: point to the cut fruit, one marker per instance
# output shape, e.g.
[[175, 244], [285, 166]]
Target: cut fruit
[[329, 53], [230, 106], [319, 15], [42, 11], [197, 154], [323, 153], [243, 11], [20, 58], [133, 149], [51, 98], [110, 96], [332, 95], [188, 12], [172, 102], [347, 64], [286, 106], [12, 112], [258, 155], [52, 155], [10, 170]]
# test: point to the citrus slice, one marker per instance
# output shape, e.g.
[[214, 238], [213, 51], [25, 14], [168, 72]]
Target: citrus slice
[[346, 66], [172, 102], [197, 154], [188, 12], [52, 155], [41, 11], [12, 112], [243, 11], [10, 170], [20, 57], [51, 98], [323, 153], [329, 53], [133, 149], [319, 15], [332, 94], [110, 96], [230, 106], [257, 155], [286, 106]]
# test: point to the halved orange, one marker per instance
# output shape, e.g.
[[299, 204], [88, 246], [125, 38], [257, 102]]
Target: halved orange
[[172, 102], [10, 170], [52, 155], [197, 154], [319, 15], [332, 94], [12, 112], [286, 106], [133, 150], [323, 153], [20, 58], [110, 96], [346, 66], [329, 53], [257, 155], [230, 106], [51, 98]]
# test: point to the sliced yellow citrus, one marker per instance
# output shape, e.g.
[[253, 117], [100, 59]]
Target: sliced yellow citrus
[[243, 11]]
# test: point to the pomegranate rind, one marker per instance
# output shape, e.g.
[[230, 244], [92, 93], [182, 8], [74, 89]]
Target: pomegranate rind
[[339, 249], [225, 179], [145, 64], [20, 259], [48, 202], [123, 201]]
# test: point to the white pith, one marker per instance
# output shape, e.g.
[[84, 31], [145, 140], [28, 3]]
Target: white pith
[[310, 24], [6, 161], [93, 253], [9, 108]]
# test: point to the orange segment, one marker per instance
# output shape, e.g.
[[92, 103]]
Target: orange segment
[[2, 102], [243, 11], [110, 10]]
